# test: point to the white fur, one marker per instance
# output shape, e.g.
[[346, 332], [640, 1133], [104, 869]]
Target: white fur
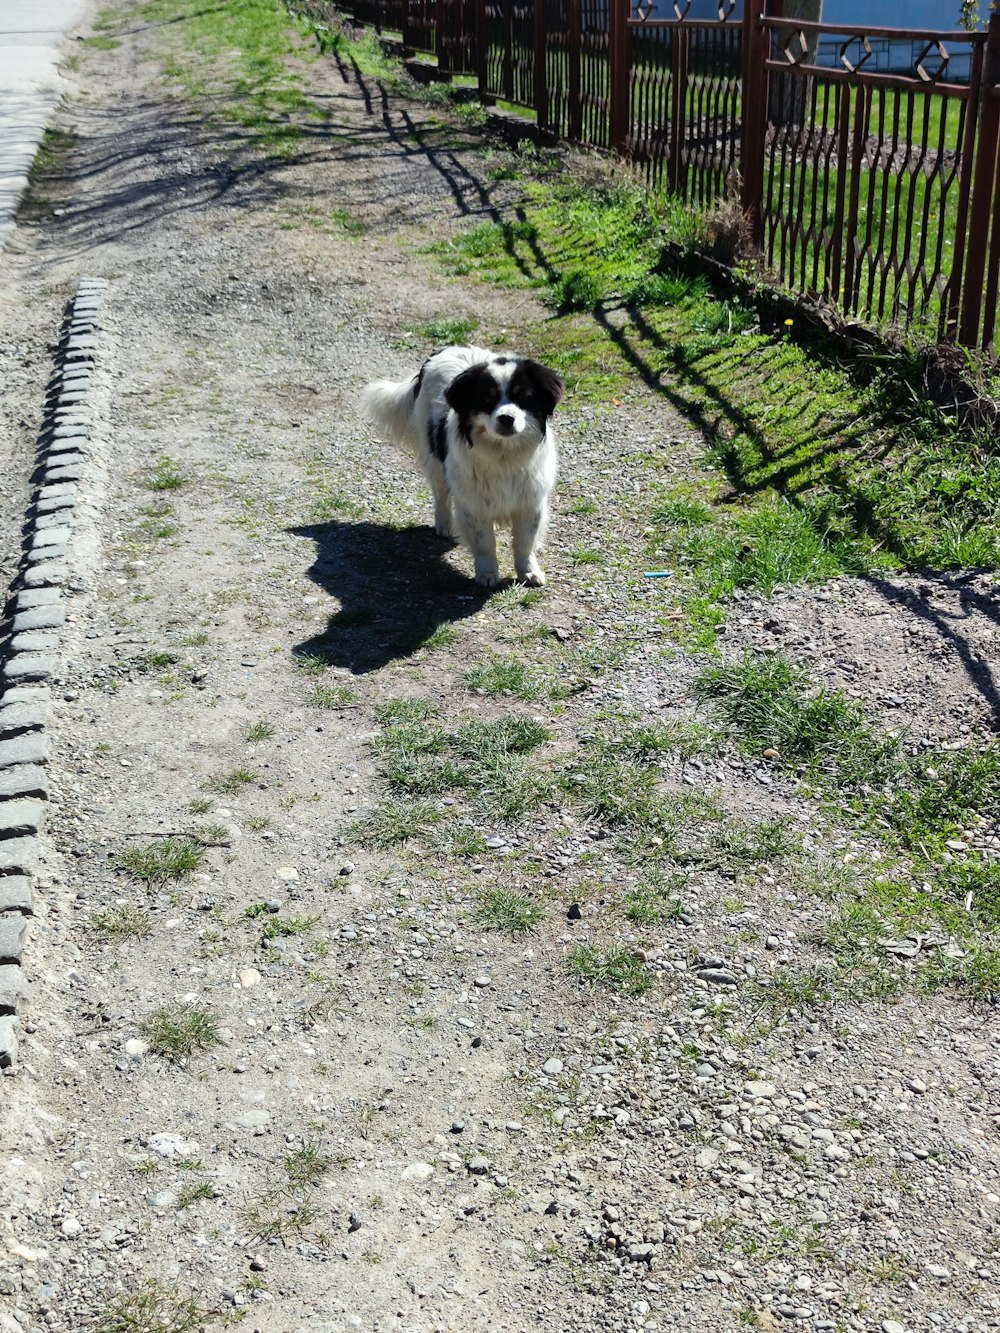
[[503, 480]]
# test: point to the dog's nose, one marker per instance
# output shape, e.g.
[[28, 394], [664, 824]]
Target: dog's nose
[[506, 423]]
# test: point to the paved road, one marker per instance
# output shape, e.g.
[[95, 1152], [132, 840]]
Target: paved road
[[32, 34]]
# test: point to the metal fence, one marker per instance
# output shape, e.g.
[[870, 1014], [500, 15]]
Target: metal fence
[[865, 158]]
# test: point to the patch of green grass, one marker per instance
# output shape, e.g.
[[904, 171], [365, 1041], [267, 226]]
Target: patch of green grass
[[742, 842], [768, 705], [233, 782], [334, 697], [345, 221], [446, 332], [259, 731], [441, 636], [153, 1307], [196, 1193], [655, 899], [395, 822], [420, 758], [616, 967], [278, 927], [508, 910], [234, 60], [157, 862], [167, 476], [307, 1163], [504, 676], [121, 921], [179, 1032]]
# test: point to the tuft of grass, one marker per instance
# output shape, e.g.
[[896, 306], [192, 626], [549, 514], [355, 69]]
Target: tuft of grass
[[179, 1032], [277, 927], [504, 676], [121, 922], [166, 477], [445, 332], [506, 909], [233, 782], [307, 1163], [333, 697], [655, 899], [394, 823], [157, 862], [259, 731], [765, 700], [742, 842], [154, 1307], [616, 967]]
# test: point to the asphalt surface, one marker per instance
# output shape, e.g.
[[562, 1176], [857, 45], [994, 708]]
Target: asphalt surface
[[33, 36]]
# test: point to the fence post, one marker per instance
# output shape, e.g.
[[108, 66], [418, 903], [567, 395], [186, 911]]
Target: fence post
[[753, 119], [984, 185], [480, 55], [575, 40], [618, 89], [541, 69], [680, 46]]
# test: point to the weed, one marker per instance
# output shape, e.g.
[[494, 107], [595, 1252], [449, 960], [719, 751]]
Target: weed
[[157, 862], [506, 909], [196, 1193], [259, 731], [199, 805], [504, 676], [445, 332], [232, 783], [766, 702], [744, 842], [394, 823], [167, 476], [655, 899], [333, 697], [121, 922], [153, 1308], [277, 927], [307, 1163], [180, 1031], [616, 967]]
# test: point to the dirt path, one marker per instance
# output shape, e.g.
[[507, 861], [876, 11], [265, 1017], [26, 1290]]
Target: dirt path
[[410, 1121]]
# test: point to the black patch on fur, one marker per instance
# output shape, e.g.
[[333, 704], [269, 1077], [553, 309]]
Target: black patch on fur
[[536, 389], [475, 390], [437, 432], [418, 382]]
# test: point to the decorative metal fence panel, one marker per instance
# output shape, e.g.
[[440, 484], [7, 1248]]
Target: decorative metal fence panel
[[866, 158], [684, 104]]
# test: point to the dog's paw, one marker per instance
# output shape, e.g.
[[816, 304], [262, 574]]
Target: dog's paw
[[444, 530], [534, 578], [489, 578]]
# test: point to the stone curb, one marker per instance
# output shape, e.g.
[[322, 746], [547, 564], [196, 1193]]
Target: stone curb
[[35, 616]]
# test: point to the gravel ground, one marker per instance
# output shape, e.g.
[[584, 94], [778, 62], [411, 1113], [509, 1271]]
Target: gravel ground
[[409, 1122]]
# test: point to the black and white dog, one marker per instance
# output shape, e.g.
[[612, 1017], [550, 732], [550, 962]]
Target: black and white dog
[[478, 423]]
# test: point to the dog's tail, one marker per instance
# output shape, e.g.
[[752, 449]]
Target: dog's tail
[[389, 404]]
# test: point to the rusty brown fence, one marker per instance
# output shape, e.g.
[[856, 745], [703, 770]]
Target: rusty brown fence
[[865, 158]]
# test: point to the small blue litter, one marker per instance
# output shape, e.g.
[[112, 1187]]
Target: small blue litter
[[658, 574]]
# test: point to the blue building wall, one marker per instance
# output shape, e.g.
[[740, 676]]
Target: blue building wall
[[941, 14]]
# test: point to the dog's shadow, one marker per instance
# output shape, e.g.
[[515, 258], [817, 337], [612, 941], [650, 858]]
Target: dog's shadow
[[396, 592]]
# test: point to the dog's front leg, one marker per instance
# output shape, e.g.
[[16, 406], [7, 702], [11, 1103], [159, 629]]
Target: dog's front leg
[[481, 538], [528, 529]]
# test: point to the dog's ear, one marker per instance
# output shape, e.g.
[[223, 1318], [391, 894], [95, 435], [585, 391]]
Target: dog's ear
[[545, 387], [474, 390]]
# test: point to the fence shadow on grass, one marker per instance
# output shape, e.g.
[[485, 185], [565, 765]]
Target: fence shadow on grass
[[395, 588]]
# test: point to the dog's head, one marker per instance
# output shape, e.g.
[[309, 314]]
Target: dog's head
[[505, 399]]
